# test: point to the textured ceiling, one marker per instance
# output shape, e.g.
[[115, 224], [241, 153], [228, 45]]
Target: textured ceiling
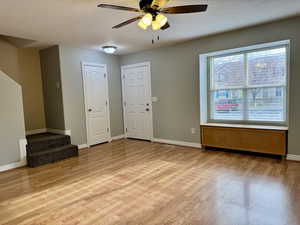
[[81, 23]]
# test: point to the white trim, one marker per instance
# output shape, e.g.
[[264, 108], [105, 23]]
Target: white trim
[[37, 131], [83, 64], [148, 65], [293, 157], [83, 146], [122, 136], [22, 162], [23, 152], [112, 139], [44, 130], [13, 165], [203, 89], [57, 131], [180, 143], [68, 132], [246, 48]]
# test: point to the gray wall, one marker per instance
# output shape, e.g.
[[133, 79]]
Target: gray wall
[[72, 87], [175, 74], [12, 127], [53, 101]]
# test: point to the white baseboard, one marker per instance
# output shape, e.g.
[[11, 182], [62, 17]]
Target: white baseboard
[[68, 132], [56, 131], [83, 146], [118, 137], [180, 143], [22, 162], [37, 131], [293, 157], [13, 165], [112, 139]]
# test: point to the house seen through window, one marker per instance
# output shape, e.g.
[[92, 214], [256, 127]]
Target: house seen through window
[[249, 86]]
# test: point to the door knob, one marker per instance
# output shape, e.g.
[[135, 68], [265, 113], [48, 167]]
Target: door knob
[[147, 110], [90, 110]]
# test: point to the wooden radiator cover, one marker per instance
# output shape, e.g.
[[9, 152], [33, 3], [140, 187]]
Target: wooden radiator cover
[[248, 139]]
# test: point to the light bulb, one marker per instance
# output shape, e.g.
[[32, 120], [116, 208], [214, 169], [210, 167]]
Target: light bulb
[[161, 19], [147, 19], [155, 25], [142, 25]]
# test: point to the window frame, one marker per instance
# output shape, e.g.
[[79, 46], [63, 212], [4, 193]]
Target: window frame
[[245, 51]]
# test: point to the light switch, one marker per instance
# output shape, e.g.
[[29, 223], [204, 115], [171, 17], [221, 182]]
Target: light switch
[[154, 99], [57, 85]]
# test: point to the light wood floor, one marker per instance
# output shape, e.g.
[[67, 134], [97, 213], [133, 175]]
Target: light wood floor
[[139, 183]]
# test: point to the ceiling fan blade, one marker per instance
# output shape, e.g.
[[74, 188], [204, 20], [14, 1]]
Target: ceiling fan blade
[[185, 9], [166, 26], [127, 22], [107, 6]]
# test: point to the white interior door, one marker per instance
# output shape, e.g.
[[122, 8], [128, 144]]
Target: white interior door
[[96, 103], [137, 104]]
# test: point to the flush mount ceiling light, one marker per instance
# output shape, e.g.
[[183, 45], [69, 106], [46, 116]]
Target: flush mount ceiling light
[[109, 49], [152, 10]]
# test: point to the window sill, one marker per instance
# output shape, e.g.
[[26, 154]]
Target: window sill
[[262, 127]]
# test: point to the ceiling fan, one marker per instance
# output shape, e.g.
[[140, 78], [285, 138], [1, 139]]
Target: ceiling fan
[[153, 13]]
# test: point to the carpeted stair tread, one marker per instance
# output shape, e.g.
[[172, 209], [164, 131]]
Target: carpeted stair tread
[[31, 139], [52, 150]]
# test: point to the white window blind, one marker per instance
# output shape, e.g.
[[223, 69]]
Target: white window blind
[[249, 86]]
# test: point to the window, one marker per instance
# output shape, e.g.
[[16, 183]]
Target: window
[[248, 86]]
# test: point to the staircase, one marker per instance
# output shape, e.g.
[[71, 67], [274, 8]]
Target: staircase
[[47, 148]]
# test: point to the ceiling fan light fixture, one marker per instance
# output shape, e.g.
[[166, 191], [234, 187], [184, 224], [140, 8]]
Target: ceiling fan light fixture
[[161, 19], [155, 25], [153, 10], [147, 19], [142, 25], [109, 49]]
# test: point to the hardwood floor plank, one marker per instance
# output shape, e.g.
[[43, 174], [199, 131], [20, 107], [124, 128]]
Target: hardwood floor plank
[[129, 182]]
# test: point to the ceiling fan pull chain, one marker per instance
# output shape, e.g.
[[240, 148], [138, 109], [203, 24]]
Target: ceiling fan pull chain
[[153, 39], [153, 36]]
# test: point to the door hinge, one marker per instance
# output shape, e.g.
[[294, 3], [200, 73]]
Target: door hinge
[[106, 103], [123, 76], [105, 75], [107, 129], [126, 130], [124, 103]]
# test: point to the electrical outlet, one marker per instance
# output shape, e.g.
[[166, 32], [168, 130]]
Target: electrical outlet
[[193, 130]]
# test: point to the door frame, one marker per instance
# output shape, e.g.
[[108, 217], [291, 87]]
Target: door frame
[[123, 67], [83, 65]]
